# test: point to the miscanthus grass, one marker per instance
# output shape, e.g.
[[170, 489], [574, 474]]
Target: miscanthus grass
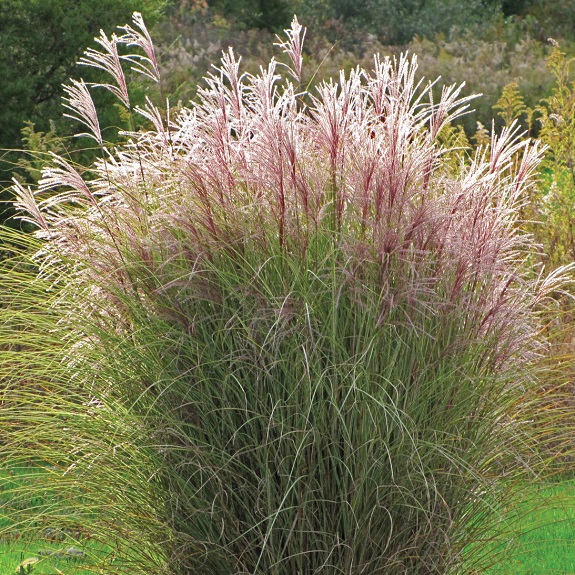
[[275, 332]]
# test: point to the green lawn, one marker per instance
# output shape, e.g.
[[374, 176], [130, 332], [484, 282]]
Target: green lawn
[[53, 552], [541, 540], [13, 554]]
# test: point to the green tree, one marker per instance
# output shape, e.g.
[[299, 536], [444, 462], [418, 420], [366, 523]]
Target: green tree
[[399, 22], [554, 19], [402, 21], [40, 42], [272, 15]]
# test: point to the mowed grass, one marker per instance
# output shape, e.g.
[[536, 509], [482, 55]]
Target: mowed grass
[[14, 554], [541, 534], [50, 553]]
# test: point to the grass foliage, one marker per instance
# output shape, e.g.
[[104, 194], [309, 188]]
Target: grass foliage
[[277, 332]]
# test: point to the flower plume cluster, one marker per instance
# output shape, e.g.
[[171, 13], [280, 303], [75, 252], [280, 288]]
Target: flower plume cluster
[[255, 161]]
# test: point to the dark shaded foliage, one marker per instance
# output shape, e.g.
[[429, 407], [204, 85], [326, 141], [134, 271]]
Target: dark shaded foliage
[[40, 42]]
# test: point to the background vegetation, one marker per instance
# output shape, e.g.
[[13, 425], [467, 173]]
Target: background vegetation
[[40, 43]]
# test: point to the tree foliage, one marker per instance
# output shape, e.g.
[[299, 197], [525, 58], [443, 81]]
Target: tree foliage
[[398, 23], [271, 15], [40, 42]]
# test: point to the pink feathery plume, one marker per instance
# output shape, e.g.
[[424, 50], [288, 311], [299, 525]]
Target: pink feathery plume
[[64, 175], [148, 64], [27, 206], [293, 47], [108, 61], [80, 103]]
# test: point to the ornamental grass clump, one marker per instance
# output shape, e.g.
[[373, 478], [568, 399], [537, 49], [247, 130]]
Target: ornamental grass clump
[[275, 331]]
